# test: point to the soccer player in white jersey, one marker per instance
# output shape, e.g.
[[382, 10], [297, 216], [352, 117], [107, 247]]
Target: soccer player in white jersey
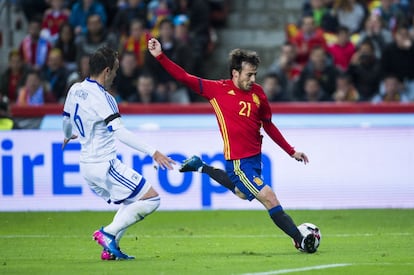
[[91, 114]]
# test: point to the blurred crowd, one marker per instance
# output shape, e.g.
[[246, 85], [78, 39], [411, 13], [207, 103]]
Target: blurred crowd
[[337, 50], [346, 51], [62, 33]]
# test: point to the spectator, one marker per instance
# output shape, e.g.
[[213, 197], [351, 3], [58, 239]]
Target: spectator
[[286, 67], [313, 91], [7, 122], [308, 37], [390, 14], [273, 89], [81, 73], [124, 82], [66, 44], [158, 10], [135, 9], [350, 14], [345, 89], [343, 50], [318, 67], [182, 37], [322, 14], [202, 37], [201, 34], [365, 71], [219, 11], [181, 31], [398, 57], [95, 37], [53, 18], [34, 49], [145, 90], [393, 91], [375, 31], [55, 74], [411, 26], [176, 51], [82, 10], [136, 42], [34, 91], [12, 78]]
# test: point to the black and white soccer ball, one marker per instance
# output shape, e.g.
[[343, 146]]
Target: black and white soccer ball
[[308, 228]]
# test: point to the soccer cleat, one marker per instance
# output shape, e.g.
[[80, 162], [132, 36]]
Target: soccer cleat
[[308, 243], [108, 256], [107, 241], [191, 164], [125, 256]]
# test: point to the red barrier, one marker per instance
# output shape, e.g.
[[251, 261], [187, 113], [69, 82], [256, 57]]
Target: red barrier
[[205, 108]]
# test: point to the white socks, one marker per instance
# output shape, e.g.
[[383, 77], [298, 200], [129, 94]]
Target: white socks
[[130, 213]]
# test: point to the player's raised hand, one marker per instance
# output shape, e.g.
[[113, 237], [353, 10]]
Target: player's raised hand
[[154, 46], [163, 161], [300, 156], [66, 141]]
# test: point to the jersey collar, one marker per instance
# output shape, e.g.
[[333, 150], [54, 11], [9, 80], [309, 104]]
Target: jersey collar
[[94, 81]]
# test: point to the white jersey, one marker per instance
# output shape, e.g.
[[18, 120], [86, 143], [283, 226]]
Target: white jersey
[[88, 105]]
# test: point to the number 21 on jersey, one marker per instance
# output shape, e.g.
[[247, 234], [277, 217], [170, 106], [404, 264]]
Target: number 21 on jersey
[[246, 108]]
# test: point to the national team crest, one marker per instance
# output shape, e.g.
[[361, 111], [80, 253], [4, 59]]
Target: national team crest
[[258, 181], [256, 100]]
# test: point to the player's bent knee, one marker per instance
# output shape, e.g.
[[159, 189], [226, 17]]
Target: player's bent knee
[[149, 205]]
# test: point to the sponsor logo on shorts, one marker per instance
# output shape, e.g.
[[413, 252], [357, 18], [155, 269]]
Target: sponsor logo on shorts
[[258, 181]]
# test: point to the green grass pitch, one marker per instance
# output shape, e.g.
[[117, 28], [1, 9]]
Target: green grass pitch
[[379, 241]]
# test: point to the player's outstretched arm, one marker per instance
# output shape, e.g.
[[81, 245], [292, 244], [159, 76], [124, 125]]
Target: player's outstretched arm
[[300, 156], [128, 138]]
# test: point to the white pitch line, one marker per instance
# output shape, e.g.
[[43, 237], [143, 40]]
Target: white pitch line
[[284, 271]]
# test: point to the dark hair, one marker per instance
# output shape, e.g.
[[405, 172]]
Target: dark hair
[[342, 28], [368, 42], [272, 75], [103, 58], [238, 56], [166, 21]]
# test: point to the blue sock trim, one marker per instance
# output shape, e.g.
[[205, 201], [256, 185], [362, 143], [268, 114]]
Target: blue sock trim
[[275, 209]]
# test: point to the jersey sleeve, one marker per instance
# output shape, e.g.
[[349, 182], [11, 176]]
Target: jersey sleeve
[[66, 114], [204, 87]]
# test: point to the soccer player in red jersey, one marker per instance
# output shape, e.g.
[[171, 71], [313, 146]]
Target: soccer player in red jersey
[[241, 109]]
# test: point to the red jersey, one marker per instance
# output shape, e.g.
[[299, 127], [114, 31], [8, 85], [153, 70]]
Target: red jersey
[[240, 114], [52, 20], [342, 54], [300, 40]]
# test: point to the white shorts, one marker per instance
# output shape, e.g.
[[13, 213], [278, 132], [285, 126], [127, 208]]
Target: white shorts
[[114, 181]]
